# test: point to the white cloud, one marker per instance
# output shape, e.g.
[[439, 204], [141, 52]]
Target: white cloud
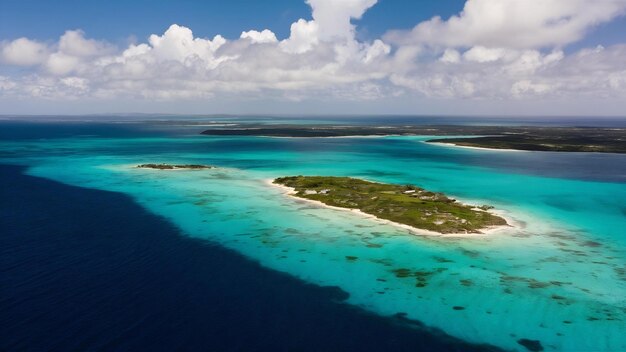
[[179, 44], [23, 52], [482, 54], [450, 56], [304, 35], [265, 36], [61, 64], [74, 43], [333, 17], [521, 24], [331, 23], [6, 83], [527, 87], [376, 50], [322, 58]]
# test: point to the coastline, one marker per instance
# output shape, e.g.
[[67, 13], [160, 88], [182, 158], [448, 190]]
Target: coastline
[[453, 145], [351, 136], [289, 191]]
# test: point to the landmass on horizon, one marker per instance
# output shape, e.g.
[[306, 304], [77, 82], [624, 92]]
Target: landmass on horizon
[[557, 139]]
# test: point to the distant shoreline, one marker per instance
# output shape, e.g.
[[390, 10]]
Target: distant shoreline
[[454, 145], [519, 138]]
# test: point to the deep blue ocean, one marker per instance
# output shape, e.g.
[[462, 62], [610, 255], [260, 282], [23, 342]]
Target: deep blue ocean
[[97, 255], [91, 270], [84, 269]]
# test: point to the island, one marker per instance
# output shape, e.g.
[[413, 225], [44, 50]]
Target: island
[[407, 205], [174, 166], [535, 138], [572, 140]]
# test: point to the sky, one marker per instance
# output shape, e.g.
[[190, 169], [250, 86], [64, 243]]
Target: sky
[[446, 57]]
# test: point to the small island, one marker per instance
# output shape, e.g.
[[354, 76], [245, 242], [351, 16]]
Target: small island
[[174, 166], [406, 205]]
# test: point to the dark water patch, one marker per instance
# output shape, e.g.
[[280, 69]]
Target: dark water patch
[[591, 244], [574, 252], [91, 270], [531, 345], [458, 308], [530, 282], [469, 253], [538, 284], [402, 272], [421, 276], [351, 258], [466, 282], [620, 271], [383, 261], [561, 235], [560, 283]]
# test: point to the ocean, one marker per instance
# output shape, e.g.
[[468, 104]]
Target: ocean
[[100, 255]]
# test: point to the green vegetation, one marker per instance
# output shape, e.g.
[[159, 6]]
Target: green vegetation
[[407, 204], [172, 167], [590, 140]]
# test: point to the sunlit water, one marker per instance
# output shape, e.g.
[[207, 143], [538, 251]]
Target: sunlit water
[[557, 276]]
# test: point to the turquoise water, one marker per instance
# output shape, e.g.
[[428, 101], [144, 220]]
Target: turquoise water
[[557, 276]]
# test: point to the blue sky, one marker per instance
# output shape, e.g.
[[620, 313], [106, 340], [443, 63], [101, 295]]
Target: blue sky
[[409, 71], [120, 20], [116, 20]]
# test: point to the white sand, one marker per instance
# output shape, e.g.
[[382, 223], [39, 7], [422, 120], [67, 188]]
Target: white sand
[[354, 136], [452, 145]]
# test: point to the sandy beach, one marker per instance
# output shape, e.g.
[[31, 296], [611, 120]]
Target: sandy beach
[[413, 230], [453, 145], [352, 136]]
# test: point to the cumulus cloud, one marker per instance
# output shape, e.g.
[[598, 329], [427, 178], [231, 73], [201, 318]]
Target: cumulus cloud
[[74, 43], [304, 35], [333, 17], [488, 51], [265, 36], [179, 44], [450, 56], [521, 24], [23, 52]]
